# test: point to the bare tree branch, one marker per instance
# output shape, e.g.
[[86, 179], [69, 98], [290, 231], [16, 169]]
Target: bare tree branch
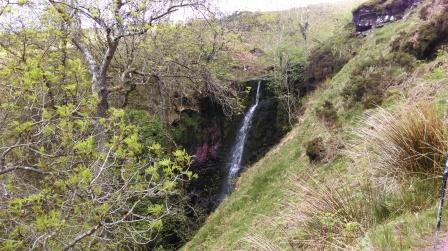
[[80, 237]]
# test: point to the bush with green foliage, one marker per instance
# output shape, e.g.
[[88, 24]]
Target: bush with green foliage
[[68, 178], [372, 76], [151, 129], [365, 89]]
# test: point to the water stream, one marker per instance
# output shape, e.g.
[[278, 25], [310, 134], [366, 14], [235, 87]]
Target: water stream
[[238, 149]]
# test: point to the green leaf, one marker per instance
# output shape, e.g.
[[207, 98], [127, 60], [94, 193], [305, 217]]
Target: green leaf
[[86, 147], [156, 209], [65, 110]]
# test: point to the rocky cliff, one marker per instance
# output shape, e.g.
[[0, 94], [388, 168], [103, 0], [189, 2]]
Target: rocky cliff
[[379, 12], [208, 135]]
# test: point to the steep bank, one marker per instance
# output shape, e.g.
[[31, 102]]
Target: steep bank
[[286, 202]]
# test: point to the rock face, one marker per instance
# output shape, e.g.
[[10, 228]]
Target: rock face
[[209, 135], [369, 16], [269, 124]]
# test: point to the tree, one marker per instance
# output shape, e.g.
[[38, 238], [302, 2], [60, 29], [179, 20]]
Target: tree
[[51, 197], [59, 190], [77, 170], [111, 21], [304, 24]]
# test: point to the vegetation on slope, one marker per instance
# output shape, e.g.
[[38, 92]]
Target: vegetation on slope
[[376, 188]]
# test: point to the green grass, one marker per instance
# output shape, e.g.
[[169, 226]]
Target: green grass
[[277, 33], [233, 218], [411, 231]]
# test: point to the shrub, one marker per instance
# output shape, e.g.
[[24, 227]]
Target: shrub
[[366, 89], [410, 141], [315, 150], [324, 63], [370, 78], [403, 59], [151, 129], [327, 112], [421, 41]]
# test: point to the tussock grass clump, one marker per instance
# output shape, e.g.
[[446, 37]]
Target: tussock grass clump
[[412, 140], [260, 242], [332, 215]]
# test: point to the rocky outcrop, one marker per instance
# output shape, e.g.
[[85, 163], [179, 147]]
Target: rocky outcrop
[[377, 13], [262, 135], [209, 135], [426, 38]]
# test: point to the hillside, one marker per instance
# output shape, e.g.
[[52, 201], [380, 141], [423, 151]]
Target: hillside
[[341, 179], [317, 128], [259, 39]]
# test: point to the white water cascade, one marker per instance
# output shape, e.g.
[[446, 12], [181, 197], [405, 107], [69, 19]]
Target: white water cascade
[[238, 148]]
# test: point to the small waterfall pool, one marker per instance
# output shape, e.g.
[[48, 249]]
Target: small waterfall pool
[[237, 152]]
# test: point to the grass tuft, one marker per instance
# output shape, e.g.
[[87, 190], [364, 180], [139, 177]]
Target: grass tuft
[[331, 216], [410, 141]]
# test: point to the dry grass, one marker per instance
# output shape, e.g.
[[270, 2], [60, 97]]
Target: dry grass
[[260, 242], [333, 217], [409, 141], [319, 215]]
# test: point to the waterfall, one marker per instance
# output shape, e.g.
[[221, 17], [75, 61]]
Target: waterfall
[[238, 149]]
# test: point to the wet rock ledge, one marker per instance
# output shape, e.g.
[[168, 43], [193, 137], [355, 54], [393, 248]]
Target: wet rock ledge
[[378, 12]]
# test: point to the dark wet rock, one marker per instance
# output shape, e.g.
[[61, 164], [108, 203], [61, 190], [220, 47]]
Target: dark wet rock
[[269, 123], [209, 135], [257, 52], [380, 12]]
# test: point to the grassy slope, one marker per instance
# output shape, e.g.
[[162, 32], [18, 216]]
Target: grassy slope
[[278, 33], [257, 215]]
